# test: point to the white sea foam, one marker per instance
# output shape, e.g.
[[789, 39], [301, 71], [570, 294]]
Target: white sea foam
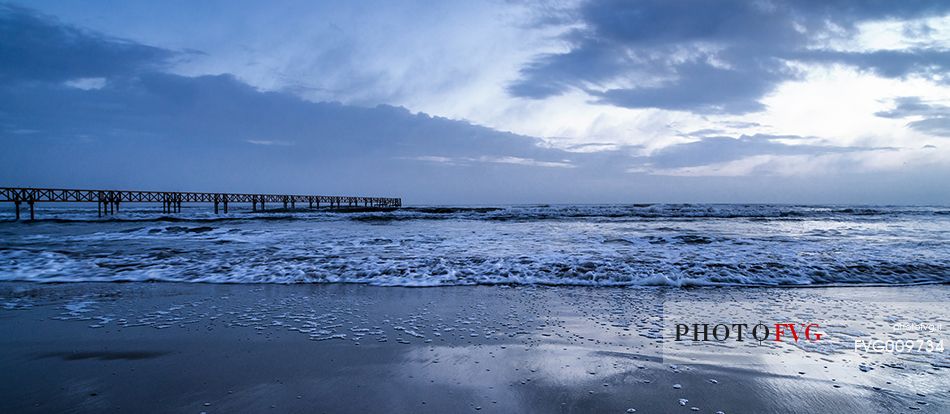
[[662, 245]]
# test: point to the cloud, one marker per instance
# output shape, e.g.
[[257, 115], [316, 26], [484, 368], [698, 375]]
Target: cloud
[[527, 161], [269, 142], [928, 63], [755, 164], [465, 161], [193, 129], [148, 128], [86, 83], [934, 118], [913, 106], [716, 57], [738, 156], [128, 122], [939, 126], [35, 47]]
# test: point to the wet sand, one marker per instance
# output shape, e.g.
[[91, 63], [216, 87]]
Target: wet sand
[[191, 348]]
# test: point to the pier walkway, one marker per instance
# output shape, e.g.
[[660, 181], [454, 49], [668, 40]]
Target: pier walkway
[[108, 201]]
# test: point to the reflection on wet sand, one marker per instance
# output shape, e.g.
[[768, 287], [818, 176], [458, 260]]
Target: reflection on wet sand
[[355, 348]]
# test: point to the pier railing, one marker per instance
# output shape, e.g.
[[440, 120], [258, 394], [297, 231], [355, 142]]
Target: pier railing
[[108, 201]]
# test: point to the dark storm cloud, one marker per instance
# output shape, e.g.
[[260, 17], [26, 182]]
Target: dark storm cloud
[[142, 127], [700, 88], [35, 48], [164, 131], [935, 117], [714, 57]]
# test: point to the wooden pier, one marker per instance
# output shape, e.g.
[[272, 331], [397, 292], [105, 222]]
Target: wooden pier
[[108, 201]]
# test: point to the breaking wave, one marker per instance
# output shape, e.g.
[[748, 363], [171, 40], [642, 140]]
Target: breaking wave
[[629, 245]]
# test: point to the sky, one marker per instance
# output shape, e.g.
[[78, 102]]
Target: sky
[[483, 102]]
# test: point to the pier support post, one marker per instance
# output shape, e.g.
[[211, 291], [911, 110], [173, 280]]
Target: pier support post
[[292, 203], [32, 216], [285, 203], [311, 202], [17, 203], [254, 204], [225, 205]]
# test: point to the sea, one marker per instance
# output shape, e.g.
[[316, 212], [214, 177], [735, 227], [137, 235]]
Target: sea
[[585, 245]]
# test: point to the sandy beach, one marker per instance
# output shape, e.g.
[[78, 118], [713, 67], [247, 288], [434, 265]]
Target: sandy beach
[[167, 347]]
